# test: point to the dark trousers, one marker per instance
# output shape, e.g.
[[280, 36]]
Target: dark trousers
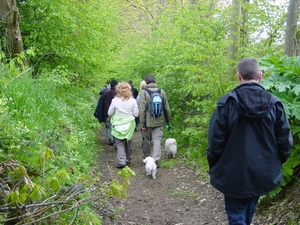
[[240, 211]]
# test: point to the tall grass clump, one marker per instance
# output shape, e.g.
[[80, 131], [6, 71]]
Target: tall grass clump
[[45, 119]]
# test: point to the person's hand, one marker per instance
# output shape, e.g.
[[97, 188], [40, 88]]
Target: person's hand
[[143, 128], [168, 127]]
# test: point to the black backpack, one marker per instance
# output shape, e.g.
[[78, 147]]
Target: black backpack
[[156, 103]]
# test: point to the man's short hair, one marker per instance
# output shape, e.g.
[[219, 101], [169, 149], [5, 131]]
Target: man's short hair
[[149, 79], [113, 83], [249, 69]]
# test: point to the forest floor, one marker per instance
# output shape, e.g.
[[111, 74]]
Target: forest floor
[[177, 197]]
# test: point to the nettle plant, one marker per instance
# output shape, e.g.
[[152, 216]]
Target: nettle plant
[[282, 78]]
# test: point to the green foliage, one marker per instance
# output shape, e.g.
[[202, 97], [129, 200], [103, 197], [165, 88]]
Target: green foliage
[[47, 147], [168, 163], [283, 78], [264, 26], [185, 47], [81, 36], [117, 189]]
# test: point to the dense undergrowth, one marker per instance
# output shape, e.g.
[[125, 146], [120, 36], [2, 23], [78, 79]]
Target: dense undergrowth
[[47, 150], [284, 208]]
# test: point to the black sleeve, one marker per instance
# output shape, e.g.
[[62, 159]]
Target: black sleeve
[[283, 134]]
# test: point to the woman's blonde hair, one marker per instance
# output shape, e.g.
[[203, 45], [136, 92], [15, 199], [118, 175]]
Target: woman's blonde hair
[[143, 85], [124, 90]]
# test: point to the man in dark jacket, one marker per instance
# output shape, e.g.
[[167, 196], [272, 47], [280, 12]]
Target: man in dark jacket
[[107, 98], [249, 139]]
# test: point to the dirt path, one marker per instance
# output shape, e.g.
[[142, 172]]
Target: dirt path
[[176, 197]]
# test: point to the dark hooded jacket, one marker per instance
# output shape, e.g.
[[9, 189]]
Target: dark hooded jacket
[[107, 98], [249, 139], [99, 108]]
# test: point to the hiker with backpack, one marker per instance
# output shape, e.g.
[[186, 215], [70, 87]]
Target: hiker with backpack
[[154, 114]]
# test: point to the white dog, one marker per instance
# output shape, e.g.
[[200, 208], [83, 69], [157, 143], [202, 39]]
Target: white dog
[[150, 167], [171, 147]]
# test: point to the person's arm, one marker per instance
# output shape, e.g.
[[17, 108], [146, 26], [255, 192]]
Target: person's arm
[[283, 134], [216, 136], [135, 109], [143, 108], [112, 108], [167, 111]]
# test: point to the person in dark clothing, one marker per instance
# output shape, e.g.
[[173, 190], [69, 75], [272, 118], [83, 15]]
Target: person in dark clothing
[[135, 94], [107, 98], [134, 91], [99, 108], [249, 139]]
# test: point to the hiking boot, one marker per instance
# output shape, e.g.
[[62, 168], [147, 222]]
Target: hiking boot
[[128, 162], [120, 166]]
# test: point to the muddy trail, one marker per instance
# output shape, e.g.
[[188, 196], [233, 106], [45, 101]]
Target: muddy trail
[[177, 197]]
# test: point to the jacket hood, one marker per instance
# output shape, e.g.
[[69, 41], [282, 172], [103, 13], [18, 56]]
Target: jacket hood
[[253, 100]]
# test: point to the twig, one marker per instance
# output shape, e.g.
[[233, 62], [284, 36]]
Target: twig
[[75, 216], [111, 173], [19, 75]]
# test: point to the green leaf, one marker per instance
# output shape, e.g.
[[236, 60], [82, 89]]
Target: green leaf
[[37, 193], [62, 174], [296, 89], [13, 197], [54, 183], [23, 198], [295, 109]]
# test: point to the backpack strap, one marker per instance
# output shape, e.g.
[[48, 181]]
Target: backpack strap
[[149, 91]]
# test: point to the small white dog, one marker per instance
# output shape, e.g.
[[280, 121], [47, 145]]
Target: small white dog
[[171, 147], [150, 167]]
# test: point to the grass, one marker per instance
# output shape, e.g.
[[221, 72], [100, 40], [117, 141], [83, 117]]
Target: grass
[[184, 193], [168, 163]]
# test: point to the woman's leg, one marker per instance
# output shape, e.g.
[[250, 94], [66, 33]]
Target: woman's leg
[[121, 156]]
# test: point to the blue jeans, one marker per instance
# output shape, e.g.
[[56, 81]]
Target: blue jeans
[[240, 211]]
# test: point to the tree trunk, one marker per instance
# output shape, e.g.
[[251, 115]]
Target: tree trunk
[[291, 42], [244, 27], [11, 18], [234, 35]]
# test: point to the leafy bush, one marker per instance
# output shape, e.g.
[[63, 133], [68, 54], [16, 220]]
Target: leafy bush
[[47, 149], [283, 80]]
